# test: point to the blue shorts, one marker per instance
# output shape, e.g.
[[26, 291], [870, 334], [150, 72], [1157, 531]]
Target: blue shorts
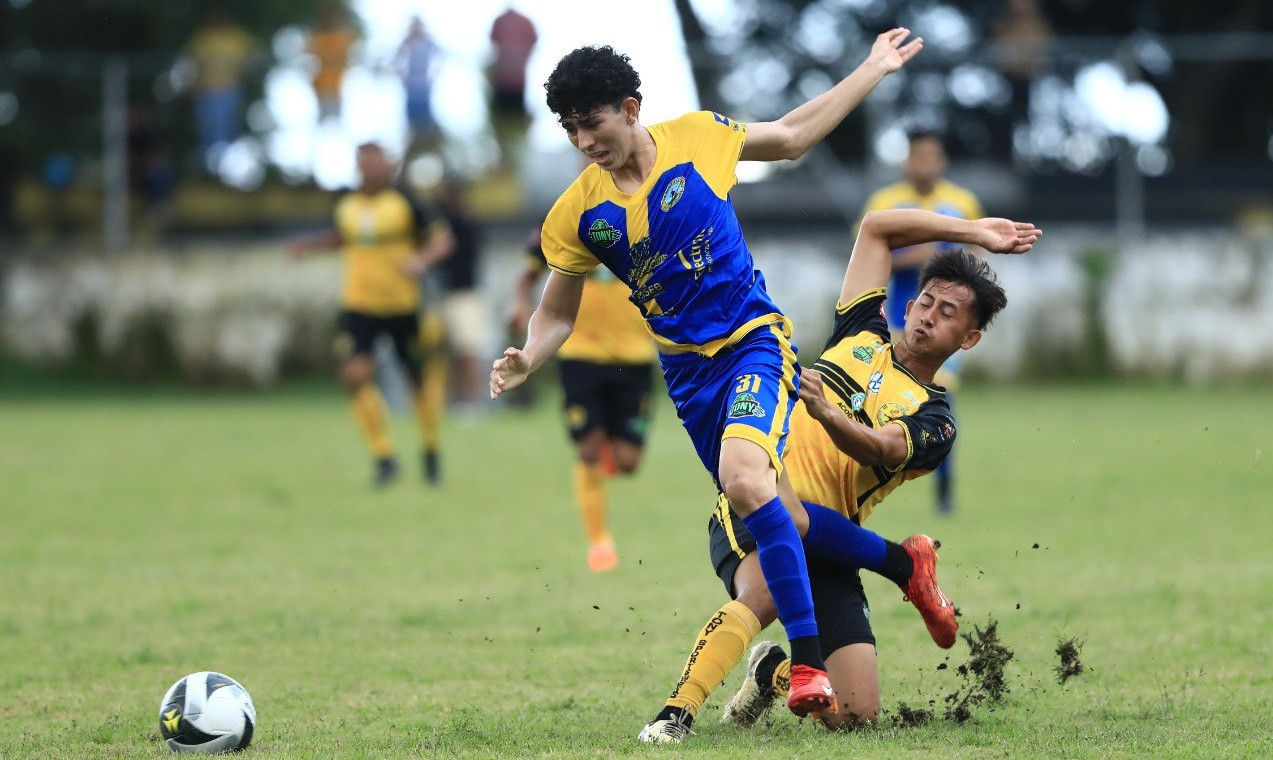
[[746, 390]]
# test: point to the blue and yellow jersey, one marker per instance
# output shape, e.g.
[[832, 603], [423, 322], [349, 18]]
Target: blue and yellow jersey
[[377, 233], [609, 328], [861, 378], [675, 242], [948, 199]]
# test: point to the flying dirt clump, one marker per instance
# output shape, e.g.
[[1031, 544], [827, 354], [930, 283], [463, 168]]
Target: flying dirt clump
[[1070, 664]]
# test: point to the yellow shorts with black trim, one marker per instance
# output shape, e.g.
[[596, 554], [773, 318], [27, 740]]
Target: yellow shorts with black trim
[[746, 390]]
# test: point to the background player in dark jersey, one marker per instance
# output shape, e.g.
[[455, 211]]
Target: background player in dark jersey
[[388, 240], [924, 186], [607, 374], [654, 209], [871, 420]]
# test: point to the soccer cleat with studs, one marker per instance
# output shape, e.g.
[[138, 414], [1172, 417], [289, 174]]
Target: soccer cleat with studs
[[667, 730], [757, 693], [810, 693], [923, 592]]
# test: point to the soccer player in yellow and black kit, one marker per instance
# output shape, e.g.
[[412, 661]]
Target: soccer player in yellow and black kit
[[607, 373], [388, 241], [872, 419], [924, 186], [654, 209]]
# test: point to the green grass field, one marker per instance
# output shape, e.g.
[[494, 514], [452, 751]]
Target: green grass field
[[145, 535]]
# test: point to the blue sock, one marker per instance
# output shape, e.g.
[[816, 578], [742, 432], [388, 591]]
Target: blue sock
[[782, 561], [836, 540]]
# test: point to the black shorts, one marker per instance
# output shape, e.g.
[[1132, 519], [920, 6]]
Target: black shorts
[[615, 397], [839, 602], [358, 331]]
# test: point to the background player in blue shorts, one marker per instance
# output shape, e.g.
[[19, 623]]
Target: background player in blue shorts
[[654, 209]]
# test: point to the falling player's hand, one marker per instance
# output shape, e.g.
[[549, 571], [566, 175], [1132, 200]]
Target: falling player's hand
[[811, 394], [889, 51], [509, 371], [1005, 236]]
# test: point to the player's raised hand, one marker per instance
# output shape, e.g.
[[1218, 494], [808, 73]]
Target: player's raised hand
[[889, 51], [509, 371], [1005, 236]]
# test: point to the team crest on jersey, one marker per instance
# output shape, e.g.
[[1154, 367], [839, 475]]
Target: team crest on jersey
[[856, 401], [889, 412], [877, 380], [601, 233], [947, 431], [863, 354], [745, 405], [926, 438], [672, 194]]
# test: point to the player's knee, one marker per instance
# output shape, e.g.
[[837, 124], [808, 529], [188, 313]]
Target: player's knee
[[852, 714], [747, 490], [355, 372]]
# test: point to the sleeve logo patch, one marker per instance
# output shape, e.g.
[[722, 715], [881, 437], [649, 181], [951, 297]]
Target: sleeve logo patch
[[745, 405]]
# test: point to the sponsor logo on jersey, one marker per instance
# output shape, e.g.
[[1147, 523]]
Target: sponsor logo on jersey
[[646, 293], [856, 401], [745, 405], [889, 412], [643, 261], [601, 233], [863, 354], [906, 394], [700, 258], [926, 438], [672, 194], [877, 379]]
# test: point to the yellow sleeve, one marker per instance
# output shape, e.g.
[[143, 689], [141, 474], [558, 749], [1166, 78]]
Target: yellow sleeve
[[714, 143], [563, 250]]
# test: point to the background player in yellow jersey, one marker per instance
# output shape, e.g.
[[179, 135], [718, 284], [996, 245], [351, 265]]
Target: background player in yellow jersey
[[872, 418], [607, 373], [654, 209], [924, 186], [388, 241]]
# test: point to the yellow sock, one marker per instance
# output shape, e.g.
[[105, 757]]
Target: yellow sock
[[372, 418], [719, 647], [590, 495], [430, 406], [782, 678]]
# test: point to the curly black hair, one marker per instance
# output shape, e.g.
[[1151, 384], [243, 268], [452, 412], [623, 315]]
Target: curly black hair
[[963, 268], [589, 77]]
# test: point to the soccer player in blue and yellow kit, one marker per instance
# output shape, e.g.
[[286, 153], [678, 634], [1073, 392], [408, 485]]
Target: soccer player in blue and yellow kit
[[872, 418], [924, 187], [388, 240], [607, 377], [654, 209]]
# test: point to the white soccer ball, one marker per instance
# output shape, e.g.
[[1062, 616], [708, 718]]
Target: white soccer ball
[[207, 713]]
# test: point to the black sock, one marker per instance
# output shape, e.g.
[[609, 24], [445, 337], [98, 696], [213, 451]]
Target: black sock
[[806, 650], [898, 566]]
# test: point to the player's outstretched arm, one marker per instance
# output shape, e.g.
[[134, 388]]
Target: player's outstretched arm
[[549, 327], [794, 134], [885, 231]]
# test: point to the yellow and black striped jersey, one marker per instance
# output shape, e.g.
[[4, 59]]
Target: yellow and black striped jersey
[[609, 328], [861, 378], [378, 232]]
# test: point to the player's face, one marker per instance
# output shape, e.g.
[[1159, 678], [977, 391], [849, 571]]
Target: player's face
[[603, 135], [926, 162], [374, 167], [941, 321]]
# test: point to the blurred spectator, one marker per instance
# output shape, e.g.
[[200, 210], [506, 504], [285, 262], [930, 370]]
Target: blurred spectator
[[219, 51], [513, 37], [1023, 38], [464, 306], [58, 174], [8, 182], [416, 60], [330, 43], [150, 170], [924, 187]]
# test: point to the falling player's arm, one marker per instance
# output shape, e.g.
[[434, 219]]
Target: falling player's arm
[[882, 232], [868, 446], [549, 327], [794, 134]]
